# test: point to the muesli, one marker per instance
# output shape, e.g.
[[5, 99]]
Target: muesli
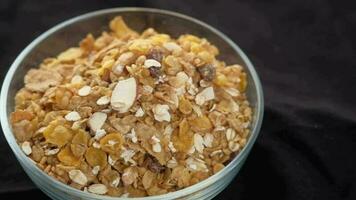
[[129, 114]]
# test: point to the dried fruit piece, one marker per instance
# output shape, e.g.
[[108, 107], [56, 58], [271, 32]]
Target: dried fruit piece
[[57, 134], [207, 72], [96, 157], [111, 143], [124, 95]]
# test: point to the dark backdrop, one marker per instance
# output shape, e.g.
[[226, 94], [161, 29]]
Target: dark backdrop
[[304, 52]]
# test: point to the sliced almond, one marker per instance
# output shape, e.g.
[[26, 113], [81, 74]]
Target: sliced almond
[[84, 91], [151, 63], [95, 170], [78, 176], [103, 100], [139, 112], [99, 134], [171, 147], [198, 143], [76, 79], [172, 46], [124, 95], [156, 147], [147, 89], [161, 113], [234, 146], [50, 152], [118, 69], [230, 134], [232, 92], [26, 148], [72, 116], [206, 95], [98, 189], [208, 139], [97, 120]]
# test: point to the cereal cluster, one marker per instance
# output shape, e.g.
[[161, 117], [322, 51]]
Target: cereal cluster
[[128, 114]]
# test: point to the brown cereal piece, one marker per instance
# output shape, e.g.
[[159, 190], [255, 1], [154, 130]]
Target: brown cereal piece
[[70, 54], [23, 130], [200, 124], [87, 44], [119, 27], [39, 80], [20, 115], [67, 157], [96, 157], [112, 143], [57, 134]]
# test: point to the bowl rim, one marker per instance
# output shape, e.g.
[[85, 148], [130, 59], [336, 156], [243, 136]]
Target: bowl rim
[[176, 194]]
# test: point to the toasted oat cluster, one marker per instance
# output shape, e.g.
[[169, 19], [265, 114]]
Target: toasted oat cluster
[[128, 114]]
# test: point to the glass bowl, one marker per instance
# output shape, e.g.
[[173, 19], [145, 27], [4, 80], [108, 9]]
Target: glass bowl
[[70, 32]]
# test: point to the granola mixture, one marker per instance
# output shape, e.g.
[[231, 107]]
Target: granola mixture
[[129, 114]]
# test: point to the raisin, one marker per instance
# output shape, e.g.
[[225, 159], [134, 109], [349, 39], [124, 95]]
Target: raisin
[[207, 72], [155, 72], [156, 54], [152, 164]]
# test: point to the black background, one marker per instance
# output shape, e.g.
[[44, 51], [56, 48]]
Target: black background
[[304, 52]]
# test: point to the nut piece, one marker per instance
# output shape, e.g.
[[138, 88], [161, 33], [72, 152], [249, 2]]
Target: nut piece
[[99, 134], [208, 139], [124, 95], [78, 176], [97, 120], [172, 46], [103, 100], [230, 134], [95, 170], [151, 63], [118, 69], [51, 152], [198, 143], [232, 92], [234, 146], [206, 95], [98, 189], [84, 91], [26, 148], [139, 112], [161, 113], [76, 79], [72, 116]]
